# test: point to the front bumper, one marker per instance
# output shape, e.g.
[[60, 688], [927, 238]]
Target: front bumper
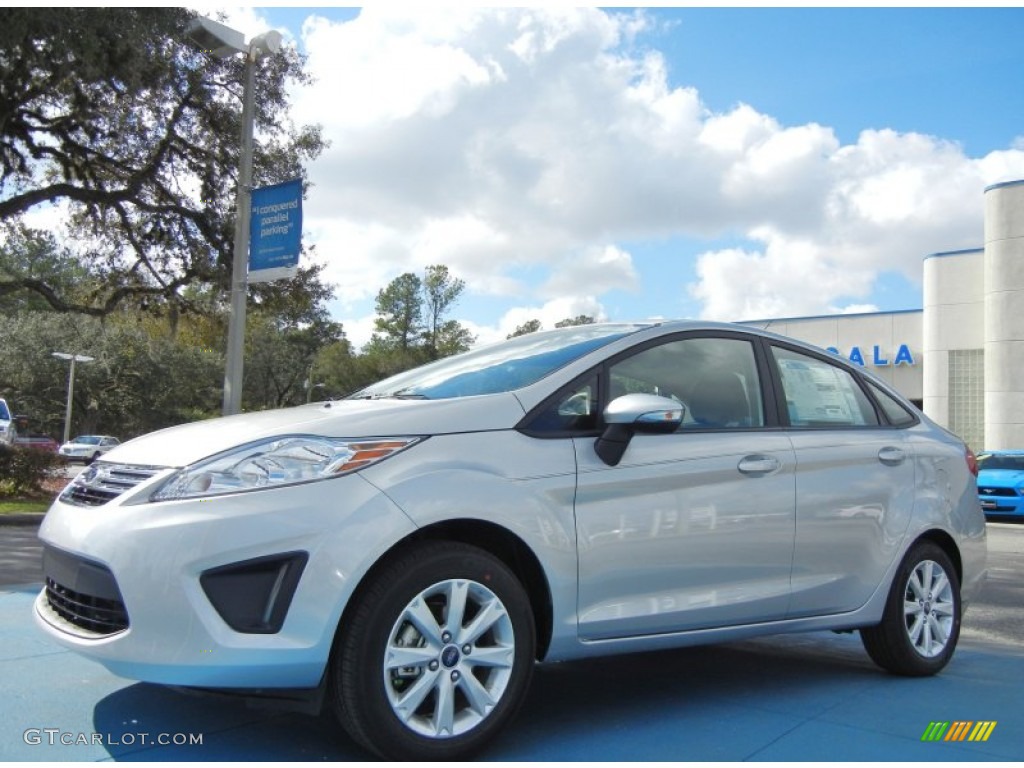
[[237, 591]]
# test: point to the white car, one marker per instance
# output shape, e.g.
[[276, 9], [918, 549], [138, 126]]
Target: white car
[[88, 448], [407, 555], [8, 429]]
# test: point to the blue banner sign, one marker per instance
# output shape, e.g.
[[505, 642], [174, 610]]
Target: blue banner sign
[[275, 228]]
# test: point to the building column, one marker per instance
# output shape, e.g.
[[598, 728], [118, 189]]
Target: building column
[[953, 340], [1004, 316]]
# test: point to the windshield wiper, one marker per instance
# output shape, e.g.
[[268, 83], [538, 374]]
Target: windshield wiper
[[401, 394]]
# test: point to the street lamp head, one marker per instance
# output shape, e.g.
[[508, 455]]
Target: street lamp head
[[215, 38], [268, 42]]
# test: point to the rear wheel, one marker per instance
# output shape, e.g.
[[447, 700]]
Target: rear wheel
[[921, 623], [436, 656]]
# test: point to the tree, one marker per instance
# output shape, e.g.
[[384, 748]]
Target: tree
[[113, 114], [137, 382], [578, 320], [279, 356], [440, 292], [34, 257], [530, 326], [399, 320]]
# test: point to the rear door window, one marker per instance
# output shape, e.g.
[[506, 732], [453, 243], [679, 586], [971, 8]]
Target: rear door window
[[819, 394]]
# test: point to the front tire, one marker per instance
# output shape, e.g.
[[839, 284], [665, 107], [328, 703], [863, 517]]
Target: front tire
[[436, 655], [921, 623]]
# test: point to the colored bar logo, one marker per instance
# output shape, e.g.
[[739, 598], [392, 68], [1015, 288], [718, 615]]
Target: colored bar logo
[[959, 730]]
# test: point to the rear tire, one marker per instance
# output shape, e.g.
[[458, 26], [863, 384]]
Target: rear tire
[[921, 624], [436, 655]]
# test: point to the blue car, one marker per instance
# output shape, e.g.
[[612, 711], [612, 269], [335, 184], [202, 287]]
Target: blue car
[[1001, 482]]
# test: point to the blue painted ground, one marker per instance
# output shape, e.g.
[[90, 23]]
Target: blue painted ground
[[810, 697]]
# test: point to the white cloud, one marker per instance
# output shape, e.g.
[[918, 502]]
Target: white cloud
[[549, 313], [594, 271], [510, 141]]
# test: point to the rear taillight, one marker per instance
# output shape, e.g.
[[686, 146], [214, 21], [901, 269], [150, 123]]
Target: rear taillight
[[972, 461]]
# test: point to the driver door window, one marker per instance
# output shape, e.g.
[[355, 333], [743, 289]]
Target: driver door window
[[715, 379]]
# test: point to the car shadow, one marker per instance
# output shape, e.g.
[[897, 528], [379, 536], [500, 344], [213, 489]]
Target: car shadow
[[566, 701]]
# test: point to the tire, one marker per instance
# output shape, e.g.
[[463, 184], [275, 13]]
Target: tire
[[921, 623], [438, 704]]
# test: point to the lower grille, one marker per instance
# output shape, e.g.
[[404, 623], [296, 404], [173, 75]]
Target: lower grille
[[88, 612], [82, 593]]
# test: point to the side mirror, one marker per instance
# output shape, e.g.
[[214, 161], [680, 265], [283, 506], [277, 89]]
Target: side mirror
[[631, 414]]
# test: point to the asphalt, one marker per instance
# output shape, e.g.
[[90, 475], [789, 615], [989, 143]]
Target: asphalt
[[813, 697]]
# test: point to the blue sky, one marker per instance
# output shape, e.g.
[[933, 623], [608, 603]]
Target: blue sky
[[666, 162]]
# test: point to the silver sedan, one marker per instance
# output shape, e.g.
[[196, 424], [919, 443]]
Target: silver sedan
[[405, 556]]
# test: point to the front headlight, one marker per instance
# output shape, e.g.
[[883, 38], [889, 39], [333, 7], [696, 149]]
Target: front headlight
[[278, 461]]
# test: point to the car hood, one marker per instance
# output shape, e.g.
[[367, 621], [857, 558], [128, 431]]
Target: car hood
[[187, 444], [1001, 478]]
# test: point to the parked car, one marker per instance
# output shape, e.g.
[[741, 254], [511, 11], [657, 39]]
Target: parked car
[[1001, 482], [8, 429], [406, 555], [39, 442], [88, 448]]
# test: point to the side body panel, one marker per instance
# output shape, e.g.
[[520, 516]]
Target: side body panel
[[854, 501], [677, 537]]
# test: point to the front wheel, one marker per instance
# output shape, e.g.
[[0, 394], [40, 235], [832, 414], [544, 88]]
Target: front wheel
[[436, 656], [921, 623]]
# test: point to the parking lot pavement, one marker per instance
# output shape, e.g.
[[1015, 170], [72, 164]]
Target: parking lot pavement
[[813, 697]]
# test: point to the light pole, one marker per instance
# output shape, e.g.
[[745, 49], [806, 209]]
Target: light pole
[[309, 385], [223, 41], [71, 386]]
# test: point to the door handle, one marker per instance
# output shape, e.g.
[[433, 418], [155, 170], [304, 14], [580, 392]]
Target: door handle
[[891, 455], [758, 465]]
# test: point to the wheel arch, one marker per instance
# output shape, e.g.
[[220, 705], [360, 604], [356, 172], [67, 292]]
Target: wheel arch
[[492, 538], [947, 544]]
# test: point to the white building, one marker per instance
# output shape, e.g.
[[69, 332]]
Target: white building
[[961, 357]]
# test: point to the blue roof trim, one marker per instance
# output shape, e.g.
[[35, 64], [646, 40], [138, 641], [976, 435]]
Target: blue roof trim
[[1002, 184], [829, 317], [963, 252]]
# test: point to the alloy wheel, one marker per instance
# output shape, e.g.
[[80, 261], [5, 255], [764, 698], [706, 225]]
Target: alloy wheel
[[449, 658]]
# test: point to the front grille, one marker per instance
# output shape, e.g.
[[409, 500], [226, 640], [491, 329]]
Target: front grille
[[95, 614], [103, 482], [997, 491]]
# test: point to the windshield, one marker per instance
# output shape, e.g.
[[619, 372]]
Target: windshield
[[87, 439], [500, 367], [4, 413], [995, 461]]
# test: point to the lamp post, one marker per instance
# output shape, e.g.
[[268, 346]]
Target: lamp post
[[310, 386], [71, 386], [223, 41]]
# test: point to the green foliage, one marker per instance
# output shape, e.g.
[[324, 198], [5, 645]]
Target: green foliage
[[399, 308], [24, 469], [113, 113], [440, 292], [578, 320], [137, 383], [530, 326], [152, 372], [33, 257], [411, 319]]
